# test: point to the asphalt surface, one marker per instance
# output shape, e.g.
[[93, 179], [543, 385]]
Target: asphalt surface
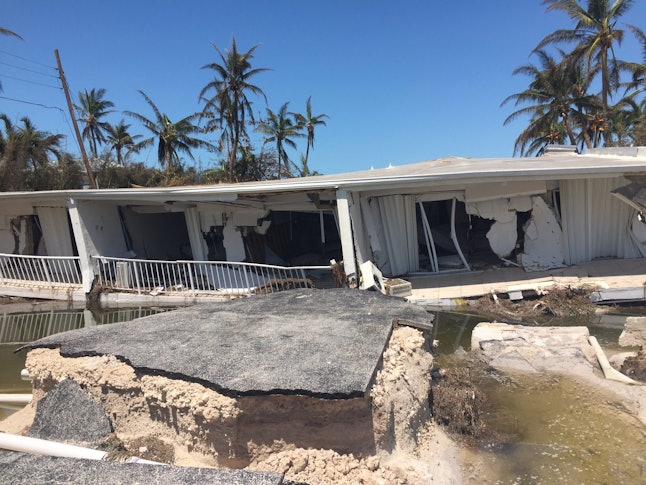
[[69, 414], [324, 343], [21, 468]]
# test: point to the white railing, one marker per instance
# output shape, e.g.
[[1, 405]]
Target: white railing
[[52, 270], [220, 277]]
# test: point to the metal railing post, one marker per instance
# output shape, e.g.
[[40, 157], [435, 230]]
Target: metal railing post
[[136, 272], [189, 267]]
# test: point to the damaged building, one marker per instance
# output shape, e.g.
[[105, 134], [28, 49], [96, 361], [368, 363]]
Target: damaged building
[[439, 216]]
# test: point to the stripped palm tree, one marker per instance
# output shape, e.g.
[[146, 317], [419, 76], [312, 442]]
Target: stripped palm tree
[[280, 128], [595, 35], [309, 122], [172, 138], [25, 152], [9, 33], [229, 100], [93, 108], [119, 137], [556, 96]]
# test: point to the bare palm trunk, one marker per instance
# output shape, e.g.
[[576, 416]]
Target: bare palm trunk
[[235, 139]]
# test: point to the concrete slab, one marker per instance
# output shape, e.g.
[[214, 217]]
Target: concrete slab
[[21, 468], [323, 343], [441, 288], [533, 349]]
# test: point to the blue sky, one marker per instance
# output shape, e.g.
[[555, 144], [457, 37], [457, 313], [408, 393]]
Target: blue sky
[[401, 82]]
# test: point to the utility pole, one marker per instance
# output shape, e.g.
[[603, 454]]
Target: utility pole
[[88, 169]]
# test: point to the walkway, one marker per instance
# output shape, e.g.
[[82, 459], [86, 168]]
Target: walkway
[[444, 290]]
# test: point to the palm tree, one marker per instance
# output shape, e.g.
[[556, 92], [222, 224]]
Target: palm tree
[[623, 120], [93, 107], [10, 33], [24, 152], [556, 97], [119, 138], [231, 86], [172, 138], [309, 122], [280, 128], [637, 69], [596, 37]]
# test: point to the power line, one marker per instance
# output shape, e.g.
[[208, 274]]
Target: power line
[[28, 60], [30, 70], [30, 82], [35, 104]]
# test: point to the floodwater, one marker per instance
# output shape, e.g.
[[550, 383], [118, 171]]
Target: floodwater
[[24, 327], [550, 429], [560, 431]]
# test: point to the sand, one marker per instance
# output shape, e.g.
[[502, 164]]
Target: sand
[[387, 437]]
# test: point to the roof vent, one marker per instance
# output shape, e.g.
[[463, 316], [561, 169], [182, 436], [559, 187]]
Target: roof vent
[[559, 149]]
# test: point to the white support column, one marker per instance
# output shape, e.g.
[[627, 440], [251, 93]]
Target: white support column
[[87, 273], [359, 236], [345, 232]]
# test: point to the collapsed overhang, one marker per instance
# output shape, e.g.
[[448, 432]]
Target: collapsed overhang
[[633, 194]]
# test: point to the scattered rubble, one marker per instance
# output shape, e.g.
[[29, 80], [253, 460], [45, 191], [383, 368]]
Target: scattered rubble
[[558, 301], [635, 366]]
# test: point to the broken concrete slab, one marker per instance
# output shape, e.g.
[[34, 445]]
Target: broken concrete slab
[[533, 349], [634, 332], [68, 413], [324, 343], [31, 469], [618, 295]]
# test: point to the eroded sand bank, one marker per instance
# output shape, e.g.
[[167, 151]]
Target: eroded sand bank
[[384, 437]]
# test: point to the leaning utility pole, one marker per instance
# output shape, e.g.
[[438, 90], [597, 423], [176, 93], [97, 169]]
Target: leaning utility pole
[[88, 169]]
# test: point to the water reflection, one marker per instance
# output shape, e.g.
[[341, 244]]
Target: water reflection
[[23, 327]]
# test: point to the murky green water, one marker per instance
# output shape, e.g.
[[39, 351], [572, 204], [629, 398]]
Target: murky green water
[[554, 429], [561, 431]]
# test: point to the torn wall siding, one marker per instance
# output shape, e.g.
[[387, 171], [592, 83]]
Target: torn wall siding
[[503, 233], [543, 247], [542, 244]]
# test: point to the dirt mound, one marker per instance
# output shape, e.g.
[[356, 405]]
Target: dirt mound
[[635, 367]]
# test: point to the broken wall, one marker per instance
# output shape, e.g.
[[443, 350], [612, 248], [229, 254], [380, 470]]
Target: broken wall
[[542, 246]]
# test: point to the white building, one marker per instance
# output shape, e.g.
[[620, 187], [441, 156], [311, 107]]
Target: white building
[[450, 214]]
